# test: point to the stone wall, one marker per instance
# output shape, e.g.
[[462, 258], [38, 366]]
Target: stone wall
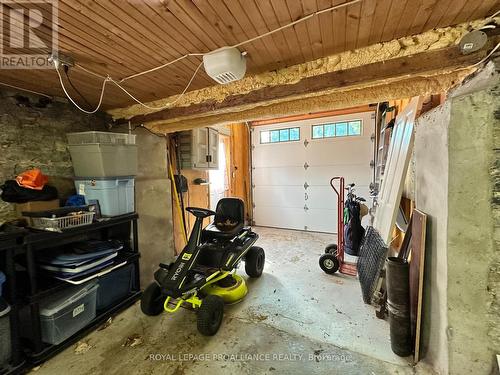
[[33, 134], [474, 258], [494, 272]]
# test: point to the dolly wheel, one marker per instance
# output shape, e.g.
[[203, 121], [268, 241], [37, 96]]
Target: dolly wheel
[[329, 263], [151, 300], [210, 315], [331, 249], [254, 261]]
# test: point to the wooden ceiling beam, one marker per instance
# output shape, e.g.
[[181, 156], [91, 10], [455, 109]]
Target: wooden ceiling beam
[[428, 62]]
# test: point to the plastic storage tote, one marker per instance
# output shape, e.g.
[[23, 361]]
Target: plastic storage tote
[[2, 281], [5, 342], [115, 286], [115, 195], [65, 313], [100, 137], [104, 160]]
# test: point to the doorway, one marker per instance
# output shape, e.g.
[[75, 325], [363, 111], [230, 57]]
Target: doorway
[[219, 178], [294, 161]]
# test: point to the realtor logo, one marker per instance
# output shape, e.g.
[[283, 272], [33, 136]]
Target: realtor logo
[[28, 33]]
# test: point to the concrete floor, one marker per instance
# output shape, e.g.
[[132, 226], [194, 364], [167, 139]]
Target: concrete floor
[[295, 320]]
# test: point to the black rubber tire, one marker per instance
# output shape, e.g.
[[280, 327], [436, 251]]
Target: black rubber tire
[[210, 315], [151, 300], [331, 249], [254, 261], [329, 263]]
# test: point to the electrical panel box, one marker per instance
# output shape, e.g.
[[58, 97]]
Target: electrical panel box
[[199, 149]]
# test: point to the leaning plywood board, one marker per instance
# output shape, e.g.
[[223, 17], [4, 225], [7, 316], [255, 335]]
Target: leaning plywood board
[[417, 258], [398, 158]]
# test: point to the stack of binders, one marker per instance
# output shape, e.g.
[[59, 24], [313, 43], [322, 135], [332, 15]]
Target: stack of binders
[[84, 261]]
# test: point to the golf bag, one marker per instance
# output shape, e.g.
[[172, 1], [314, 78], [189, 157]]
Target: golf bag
[[353, 230]]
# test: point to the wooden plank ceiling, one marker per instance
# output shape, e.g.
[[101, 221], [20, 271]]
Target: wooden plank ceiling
[[120, 38]]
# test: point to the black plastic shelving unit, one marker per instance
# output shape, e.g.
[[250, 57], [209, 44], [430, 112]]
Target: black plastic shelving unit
[[10, 244], [30, 287]]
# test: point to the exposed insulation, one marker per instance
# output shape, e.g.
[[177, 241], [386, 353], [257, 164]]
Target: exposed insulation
[[430, 40], [334, 99]]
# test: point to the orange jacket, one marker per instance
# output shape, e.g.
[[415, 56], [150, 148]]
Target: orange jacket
[[32, 179]]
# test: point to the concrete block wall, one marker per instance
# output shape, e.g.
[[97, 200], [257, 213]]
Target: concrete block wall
[[153, 204], [431, 187], [33, 134]]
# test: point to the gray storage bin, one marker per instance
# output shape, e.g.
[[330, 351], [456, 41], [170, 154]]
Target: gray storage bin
[[64, 314], [115, 286], [115, 195], [104, 160], [5, 340]]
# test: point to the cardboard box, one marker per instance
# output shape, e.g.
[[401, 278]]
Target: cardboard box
[[36, 206]]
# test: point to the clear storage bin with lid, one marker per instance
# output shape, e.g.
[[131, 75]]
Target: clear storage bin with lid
[[65, 313]]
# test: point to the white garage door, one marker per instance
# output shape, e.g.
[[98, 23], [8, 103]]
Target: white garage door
[[293, 163]]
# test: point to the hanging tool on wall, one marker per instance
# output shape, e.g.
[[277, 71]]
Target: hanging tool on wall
[[180, 209], [180, 181]]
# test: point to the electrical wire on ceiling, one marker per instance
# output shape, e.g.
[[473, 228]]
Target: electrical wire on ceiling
[[66, 72], [26, 90], [166, 105], [56, 63], [485, 57]]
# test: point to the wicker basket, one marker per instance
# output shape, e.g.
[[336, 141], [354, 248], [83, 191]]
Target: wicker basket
[[57, 224]]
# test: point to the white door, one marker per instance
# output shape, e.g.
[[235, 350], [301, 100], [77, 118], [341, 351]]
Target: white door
[[398, 158], [213, 148], [291, 178], [218, 179]]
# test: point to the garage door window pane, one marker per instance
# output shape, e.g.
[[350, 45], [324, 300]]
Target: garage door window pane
[[341, 129], [284, 135], [294, 134], [317, 131], [329, 130], [354, 127], [275, 136], [264, 137]]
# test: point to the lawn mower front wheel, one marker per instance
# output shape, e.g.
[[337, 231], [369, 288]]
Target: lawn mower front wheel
[[329, 263], [210, 315], [151, 300]]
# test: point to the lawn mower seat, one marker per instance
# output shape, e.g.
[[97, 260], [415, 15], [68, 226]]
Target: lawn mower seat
[[229, 219]]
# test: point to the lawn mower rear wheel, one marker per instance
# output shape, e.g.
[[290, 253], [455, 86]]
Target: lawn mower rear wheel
[[151, 300], [254, 261]]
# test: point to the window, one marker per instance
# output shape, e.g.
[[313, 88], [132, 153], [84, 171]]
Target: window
[[336, 129], [294, 134], [355, 127], [341, 129], [280, 135]]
